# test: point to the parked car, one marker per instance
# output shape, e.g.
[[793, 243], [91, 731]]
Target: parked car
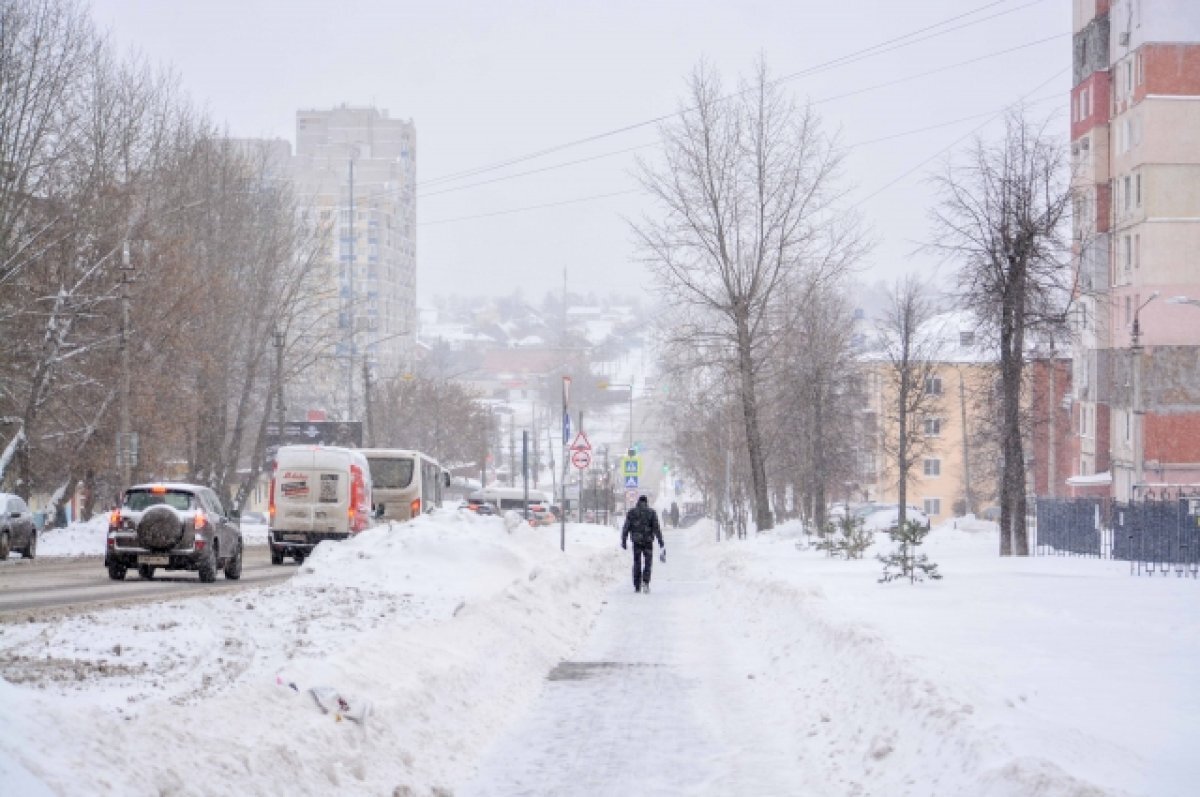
[[17, 532], [255, 518], [173, 526], [886, 517]]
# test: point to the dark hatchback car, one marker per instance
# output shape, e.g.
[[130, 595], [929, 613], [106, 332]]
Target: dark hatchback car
[[17, 532], [174, 527]]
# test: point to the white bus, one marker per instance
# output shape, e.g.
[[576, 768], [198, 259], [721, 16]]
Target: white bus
[[405, 483], [504, 498]]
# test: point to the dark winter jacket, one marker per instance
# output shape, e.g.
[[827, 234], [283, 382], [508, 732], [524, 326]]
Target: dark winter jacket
[[641, 523]]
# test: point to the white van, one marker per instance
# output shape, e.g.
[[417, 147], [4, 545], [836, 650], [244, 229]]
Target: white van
[[317, 493]]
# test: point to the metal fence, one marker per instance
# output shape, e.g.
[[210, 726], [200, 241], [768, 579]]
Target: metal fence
[[1155, 533]]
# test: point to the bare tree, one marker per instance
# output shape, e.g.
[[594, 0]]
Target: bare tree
[[1002, 219], [910, 349], [811, 379], [746, 193]]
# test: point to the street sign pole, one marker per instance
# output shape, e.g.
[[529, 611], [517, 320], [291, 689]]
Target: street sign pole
[[562, 532]]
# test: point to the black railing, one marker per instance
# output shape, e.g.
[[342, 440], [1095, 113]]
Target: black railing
[[1154, 532]]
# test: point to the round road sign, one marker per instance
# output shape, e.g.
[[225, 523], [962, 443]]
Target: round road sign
[[581, 459]]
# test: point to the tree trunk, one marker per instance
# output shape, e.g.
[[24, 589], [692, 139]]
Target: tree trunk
[[758, 470]]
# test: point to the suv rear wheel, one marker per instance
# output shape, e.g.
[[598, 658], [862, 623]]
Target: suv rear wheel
[[116, 572], [276, 557], [233, 567], [3, 545], [207, 566], [30, 551], [146, 571]]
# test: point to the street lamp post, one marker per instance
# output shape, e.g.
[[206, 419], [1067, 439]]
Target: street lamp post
[[126, 449], [1135, 350], [629, 387]]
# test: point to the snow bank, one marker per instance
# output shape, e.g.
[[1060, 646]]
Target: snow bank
[[445, 626], [1048, 676]]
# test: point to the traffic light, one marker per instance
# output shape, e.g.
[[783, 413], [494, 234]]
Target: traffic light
[[666, 468]]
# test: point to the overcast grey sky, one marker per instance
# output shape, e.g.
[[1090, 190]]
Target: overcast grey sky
[[488, 81]]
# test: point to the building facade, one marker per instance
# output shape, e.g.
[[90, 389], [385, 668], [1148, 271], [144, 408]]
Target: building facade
[[1135, 144], [956, 470], [355, 170]]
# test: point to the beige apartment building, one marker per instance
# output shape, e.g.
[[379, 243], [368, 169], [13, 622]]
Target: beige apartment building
[[955, 473], [355, 168]]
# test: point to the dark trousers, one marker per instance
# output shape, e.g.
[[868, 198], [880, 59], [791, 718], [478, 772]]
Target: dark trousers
[[643, 561]]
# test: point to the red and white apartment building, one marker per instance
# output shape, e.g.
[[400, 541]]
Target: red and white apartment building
[[1134, 398]]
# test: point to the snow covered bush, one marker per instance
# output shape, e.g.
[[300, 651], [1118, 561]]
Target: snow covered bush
[[906, 562]]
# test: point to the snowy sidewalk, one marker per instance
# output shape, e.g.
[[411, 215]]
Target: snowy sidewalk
[[655, 702]]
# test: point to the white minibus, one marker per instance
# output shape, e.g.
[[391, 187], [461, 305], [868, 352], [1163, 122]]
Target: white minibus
[[405, 483]]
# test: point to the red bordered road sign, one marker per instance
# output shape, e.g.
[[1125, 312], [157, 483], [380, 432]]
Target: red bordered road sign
[[581, 442], [581, 458]]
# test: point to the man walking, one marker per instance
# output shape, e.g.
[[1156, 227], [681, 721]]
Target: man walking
[[641, 523]]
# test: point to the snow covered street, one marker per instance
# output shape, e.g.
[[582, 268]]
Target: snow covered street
[[636, 708], [457, 656]]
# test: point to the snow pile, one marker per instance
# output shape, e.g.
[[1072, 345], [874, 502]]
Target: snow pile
[[439, 628], [83, 538], [1049, 676]]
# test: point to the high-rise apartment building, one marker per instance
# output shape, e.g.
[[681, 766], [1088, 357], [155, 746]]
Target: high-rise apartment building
[[1135, 144], [356, 169]]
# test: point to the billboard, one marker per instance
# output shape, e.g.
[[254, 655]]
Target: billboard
[[325, 433]]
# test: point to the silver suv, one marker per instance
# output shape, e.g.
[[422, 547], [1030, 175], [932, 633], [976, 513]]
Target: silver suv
[[173, 526]]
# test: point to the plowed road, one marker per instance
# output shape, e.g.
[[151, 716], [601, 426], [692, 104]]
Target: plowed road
[[61, 584]]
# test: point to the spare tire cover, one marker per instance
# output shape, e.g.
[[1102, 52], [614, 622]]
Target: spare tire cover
[[160, 529]]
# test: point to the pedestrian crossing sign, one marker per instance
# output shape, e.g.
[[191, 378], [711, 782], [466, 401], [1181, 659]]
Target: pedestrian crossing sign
[[631, 466], [631, 482]]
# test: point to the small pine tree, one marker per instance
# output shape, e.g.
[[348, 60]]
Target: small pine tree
[[905, 562], [846, 537]]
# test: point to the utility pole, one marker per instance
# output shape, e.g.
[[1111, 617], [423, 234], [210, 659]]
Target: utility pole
[[962, 403], [367, 403], [279, 408], [1137, 412], [1052, 445], [350, 304], [125, 449]]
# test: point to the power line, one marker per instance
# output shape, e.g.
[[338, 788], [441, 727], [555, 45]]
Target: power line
[[875, 87], [877, 49], [948, 123], [543, 169], [960, 139], [946, 68], [592, 198]]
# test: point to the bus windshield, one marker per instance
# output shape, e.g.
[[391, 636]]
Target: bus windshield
[[391, 473]]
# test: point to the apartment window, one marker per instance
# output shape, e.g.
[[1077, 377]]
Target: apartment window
[[1128, 193], [1126, 252], [933, 427], [1128, 426], [1137, 250], [933, 386], [1137, 190], [933, 466], [933, 507], [1128, 311]]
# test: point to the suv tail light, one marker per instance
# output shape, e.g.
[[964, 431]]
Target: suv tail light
[[415, 507], [114, 519], [200, 520], [271, 501]]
